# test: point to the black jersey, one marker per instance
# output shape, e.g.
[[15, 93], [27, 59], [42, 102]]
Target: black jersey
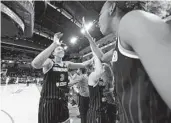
[[55, 83], [139, 102], [96, 112]]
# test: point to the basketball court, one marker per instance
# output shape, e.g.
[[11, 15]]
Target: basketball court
[[19, 104]]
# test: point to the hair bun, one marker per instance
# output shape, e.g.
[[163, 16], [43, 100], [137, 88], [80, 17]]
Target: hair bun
[[160, 8], [127, 6]]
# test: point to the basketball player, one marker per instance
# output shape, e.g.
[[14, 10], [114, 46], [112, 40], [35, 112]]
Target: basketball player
[[141, 62], [97, 82], [27, 80], [7, 80], [109, 103], [83, 94], [53, 101], [17, 80]]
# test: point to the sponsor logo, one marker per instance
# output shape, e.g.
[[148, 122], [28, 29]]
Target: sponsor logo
[[115, 56], [58, 84], [60, 69]]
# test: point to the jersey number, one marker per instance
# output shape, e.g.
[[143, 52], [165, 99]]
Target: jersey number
[[62, 77]]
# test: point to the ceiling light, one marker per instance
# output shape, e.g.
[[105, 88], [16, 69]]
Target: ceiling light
[[10, 61], [65, 47], [73, 40]]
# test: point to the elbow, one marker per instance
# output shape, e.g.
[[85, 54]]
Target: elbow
[[83, 65], [104, 59], [35, 65]]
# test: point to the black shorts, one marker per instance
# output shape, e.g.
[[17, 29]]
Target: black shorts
[[52, 111]]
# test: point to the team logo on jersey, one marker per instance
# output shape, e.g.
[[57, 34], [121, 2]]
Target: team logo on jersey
[[115, 56], [59, 69]]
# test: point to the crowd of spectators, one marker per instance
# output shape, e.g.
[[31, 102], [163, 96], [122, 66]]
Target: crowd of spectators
[[23, 74]]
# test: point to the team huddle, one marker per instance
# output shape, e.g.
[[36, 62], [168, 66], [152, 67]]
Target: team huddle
[[138, 69]]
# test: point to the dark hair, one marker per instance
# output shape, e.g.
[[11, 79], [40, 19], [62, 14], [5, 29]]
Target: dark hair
[[160, 8]]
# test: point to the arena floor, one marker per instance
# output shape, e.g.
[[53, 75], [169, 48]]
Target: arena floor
[[19, 104]]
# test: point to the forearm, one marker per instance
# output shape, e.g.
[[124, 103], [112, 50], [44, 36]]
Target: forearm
[[107, 57], [41, 58], [92, 42], [95, 48], [98, 64], [85, 63]]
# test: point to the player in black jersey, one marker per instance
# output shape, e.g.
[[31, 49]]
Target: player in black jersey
[[141, 61], [106, 83], [53, 101], [97, 112]]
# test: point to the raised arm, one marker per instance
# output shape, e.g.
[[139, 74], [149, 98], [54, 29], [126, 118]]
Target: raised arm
[[72, 65], [92, 42], [39, 61], [103, 57], [97, 64], [98, 70]]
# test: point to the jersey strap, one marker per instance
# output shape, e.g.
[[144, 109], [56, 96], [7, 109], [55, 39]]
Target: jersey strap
[[126, 52]]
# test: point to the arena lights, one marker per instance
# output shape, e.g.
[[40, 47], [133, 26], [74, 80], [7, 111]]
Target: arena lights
[[73, 40], [10, 61], [87, 27], [65, 47]]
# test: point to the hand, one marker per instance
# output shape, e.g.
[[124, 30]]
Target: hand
[[87, 34], [104, 99], [57, 37]]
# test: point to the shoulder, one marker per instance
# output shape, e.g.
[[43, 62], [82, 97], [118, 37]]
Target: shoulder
[[136, 17], [67, 63], [47, 62], [47, 65], [139, 23]]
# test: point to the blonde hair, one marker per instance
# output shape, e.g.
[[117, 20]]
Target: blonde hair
[[108, 73]]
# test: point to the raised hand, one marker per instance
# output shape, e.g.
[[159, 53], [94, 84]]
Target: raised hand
[[57, 37], [87, 34]]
